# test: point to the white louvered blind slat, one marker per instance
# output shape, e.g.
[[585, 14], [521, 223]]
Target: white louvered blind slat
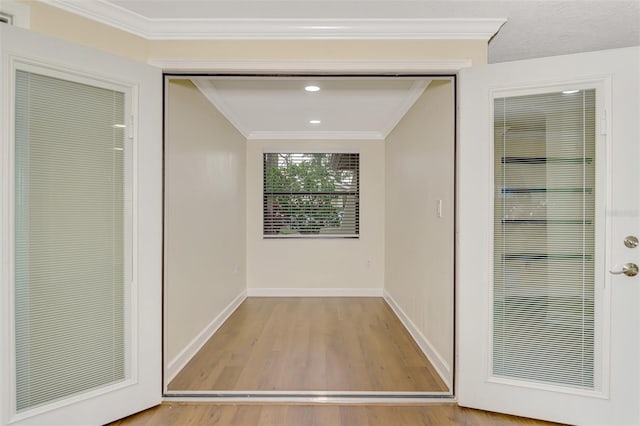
[[311, 194], [69, 238], [544, 234]]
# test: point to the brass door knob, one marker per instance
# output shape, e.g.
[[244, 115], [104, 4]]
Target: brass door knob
[[629, 269]]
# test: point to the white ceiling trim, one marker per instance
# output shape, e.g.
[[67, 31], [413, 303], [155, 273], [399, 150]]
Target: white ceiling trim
[[414, 93], [316, 135], [281, 29], [309, 66], [207, 88]]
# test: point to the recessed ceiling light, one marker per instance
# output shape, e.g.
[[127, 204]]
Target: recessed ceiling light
[[569, 92], [311, 88], [314, 121]]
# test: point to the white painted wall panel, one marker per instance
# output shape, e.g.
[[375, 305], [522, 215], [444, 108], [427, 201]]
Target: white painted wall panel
[[205, 215], [419, 244]]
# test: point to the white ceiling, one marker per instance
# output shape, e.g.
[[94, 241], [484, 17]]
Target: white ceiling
[[532, 29], [280, 108]]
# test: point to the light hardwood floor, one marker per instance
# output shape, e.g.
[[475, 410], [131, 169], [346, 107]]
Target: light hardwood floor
[[303, 344], [331, 415]]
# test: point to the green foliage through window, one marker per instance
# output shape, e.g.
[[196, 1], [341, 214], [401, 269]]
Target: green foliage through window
[[311, 194]]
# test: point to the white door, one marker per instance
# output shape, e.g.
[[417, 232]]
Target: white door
[[81, 191], [548, 191]]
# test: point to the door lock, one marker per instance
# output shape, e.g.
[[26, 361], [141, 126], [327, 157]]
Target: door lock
[[629, 269], [631, 241]]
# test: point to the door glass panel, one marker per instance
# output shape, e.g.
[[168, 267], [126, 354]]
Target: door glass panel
[[544, 233], [70, 238]]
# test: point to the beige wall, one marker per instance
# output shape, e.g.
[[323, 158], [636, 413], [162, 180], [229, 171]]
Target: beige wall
[[205, 214], [58, 23], [405, 50], [318, 263], [419, 244]]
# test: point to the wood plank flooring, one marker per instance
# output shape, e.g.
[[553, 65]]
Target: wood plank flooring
[[192, 414], [305, 344]]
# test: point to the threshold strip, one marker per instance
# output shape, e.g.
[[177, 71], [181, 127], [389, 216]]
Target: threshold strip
[[310, 397]]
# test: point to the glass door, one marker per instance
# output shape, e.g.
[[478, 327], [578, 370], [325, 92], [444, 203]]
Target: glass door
[[81, 191], [545, 331]]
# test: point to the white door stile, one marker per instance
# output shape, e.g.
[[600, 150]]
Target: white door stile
[[614, 74], [142, 388]]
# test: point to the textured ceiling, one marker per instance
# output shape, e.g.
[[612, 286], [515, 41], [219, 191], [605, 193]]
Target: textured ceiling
[[549, 28], [533, 28]]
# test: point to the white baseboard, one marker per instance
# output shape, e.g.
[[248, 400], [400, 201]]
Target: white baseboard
[[441, 366], [176, 364], [314, 292]]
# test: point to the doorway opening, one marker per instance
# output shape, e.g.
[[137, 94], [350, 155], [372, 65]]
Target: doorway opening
[[309, 235]]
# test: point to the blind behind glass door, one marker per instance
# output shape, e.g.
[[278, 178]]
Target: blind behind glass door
[[544, 233], [69, 238]]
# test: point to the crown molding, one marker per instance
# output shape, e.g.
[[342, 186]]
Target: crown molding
[[212, 66], [316, 135], [416, 90], [211, 93], [281, 29]]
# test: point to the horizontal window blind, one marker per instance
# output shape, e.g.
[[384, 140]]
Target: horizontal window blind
[[311, 194], [69, 238], [544, 233]]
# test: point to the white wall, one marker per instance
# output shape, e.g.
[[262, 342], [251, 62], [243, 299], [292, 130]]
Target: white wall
[[419, 244], [205, 215], [318, 263]]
